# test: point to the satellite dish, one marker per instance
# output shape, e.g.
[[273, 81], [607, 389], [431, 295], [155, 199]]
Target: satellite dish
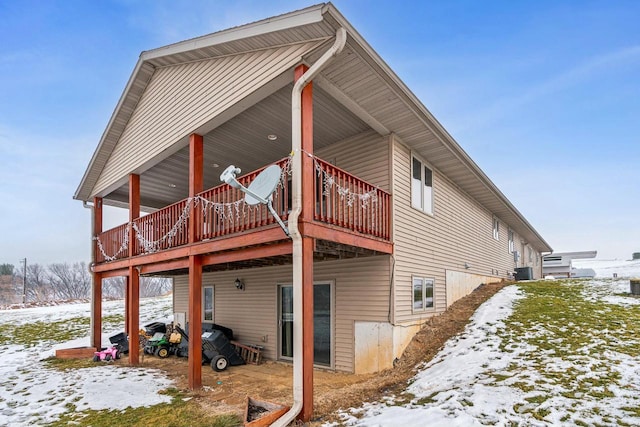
[[260, 190], [263, 186]]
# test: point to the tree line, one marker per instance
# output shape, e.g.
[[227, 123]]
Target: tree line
[[65, 281]]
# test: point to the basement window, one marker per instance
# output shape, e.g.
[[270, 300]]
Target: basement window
[[421, 186], [422, 294]]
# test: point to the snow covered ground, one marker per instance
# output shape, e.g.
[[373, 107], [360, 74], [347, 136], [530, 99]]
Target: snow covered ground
[[488, 375], [538, 376], [32, 394], [606, 268]]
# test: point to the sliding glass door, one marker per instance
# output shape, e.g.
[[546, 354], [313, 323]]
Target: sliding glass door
[[322, 322]]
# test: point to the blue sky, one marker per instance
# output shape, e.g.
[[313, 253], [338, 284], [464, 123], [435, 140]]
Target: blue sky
[[544, 96]]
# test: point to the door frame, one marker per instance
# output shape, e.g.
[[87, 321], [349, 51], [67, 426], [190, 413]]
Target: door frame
[[332, 287]]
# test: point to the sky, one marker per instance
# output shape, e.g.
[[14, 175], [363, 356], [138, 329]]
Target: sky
[[544, 96]]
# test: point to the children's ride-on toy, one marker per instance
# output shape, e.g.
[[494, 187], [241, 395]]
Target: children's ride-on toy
[[158, 345], [107, 354]]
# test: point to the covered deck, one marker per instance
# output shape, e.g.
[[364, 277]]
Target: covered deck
[[351, 218]]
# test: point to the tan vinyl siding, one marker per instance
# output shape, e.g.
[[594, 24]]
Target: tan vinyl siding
[[181, 98], [459, 231], [361, 293], [365, 156]]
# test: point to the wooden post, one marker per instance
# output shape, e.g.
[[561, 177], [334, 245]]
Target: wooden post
[[126, 305], [195, 322], [195, 265], [134, 315], [132, 302], [96, 296], [308, 207], [195, 181]]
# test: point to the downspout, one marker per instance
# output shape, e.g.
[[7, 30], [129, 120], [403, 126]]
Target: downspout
[[296, 210]]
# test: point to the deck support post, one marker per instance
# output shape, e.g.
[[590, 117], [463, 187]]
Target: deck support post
[[96, 284], [134, 314], [308, 207], [126, 304], [132, 298], [195, 265], [195, 322]]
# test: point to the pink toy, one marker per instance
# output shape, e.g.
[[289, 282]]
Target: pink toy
[[107, 355]]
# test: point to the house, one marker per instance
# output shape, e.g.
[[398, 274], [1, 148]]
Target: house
[[396, 221], [560, 264]]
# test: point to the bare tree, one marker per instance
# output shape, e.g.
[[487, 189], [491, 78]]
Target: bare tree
[[70, 281], [113, 287], [38, 285], [154, 286]]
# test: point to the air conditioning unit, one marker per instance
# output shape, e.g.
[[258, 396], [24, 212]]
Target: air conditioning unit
[[516, 256]]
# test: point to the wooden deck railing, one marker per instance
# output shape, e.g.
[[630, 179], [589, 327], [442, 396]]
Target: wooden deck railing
[[341, 200], [224, 211], [162, 229], [114, 244], [349, 202]]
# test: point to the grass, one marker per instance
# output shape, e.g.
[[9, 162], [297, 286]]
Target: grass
[[30, 334], [566, 335], [180, 412], [66, 365]]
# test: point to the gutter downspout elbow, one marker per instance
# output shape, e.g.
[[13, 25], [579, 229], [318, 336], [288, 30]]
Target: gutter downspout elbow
[[296, 210]]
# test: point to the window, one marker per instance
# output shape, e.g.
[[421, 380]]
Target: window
[[530, 254], [421, 186], [496, 228], [422, 294], [207, 304], [512, 243]]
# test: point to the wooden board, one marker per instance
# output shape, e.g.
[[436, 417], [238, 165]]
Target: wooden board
[[75, 353], [272, 413]]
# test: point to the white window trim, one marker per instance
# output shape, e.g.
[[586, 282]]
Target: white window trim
[[424, 308], [423, 165], [213, 305], [495, 226]]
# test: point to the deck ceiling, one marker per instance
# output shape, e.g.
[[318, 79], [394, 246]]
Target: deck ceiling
[[355, 93], [243, 142]]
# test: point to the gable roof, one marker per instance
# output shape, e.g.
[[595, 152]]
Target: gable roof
[[359, 79]]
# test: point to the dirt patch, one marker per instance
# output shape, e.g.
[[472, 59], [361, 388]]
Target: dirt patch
[[225, 392]]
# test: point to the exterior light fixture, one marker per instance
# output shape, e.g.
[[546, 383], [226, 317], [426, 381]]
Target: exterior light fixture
[[239, 284]]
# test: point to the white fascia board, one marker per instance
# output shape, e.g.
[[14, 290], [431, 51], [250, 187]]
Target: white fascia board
[[302, 17], [430, 121], [123, 96]]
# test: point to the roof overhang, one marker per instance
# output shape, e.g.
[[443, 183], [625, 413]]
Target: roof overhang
[[403, 115]]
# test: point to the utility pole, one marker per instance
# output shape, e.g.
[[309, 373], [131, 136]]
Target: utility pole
[[24, 280]]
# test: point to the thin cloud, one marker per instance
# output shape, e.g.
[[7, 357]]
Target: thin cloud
[[585, 71]]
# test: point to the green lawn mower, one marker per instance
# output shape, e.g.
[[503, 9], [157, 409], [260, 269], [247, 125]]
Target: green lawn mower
[[161, 345]]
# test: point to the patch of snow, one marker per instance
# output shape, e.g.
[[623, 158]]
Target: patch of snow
[[31, 394], [479, 378], [607, 268]]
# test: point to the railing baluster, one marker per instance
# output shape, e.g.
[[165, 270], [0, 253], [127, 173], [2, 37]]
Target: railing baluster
[[220, 217]]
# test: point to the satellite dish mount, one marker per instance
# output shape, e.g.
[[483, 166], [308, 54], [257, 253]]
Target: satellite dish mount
[[260, 190]]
